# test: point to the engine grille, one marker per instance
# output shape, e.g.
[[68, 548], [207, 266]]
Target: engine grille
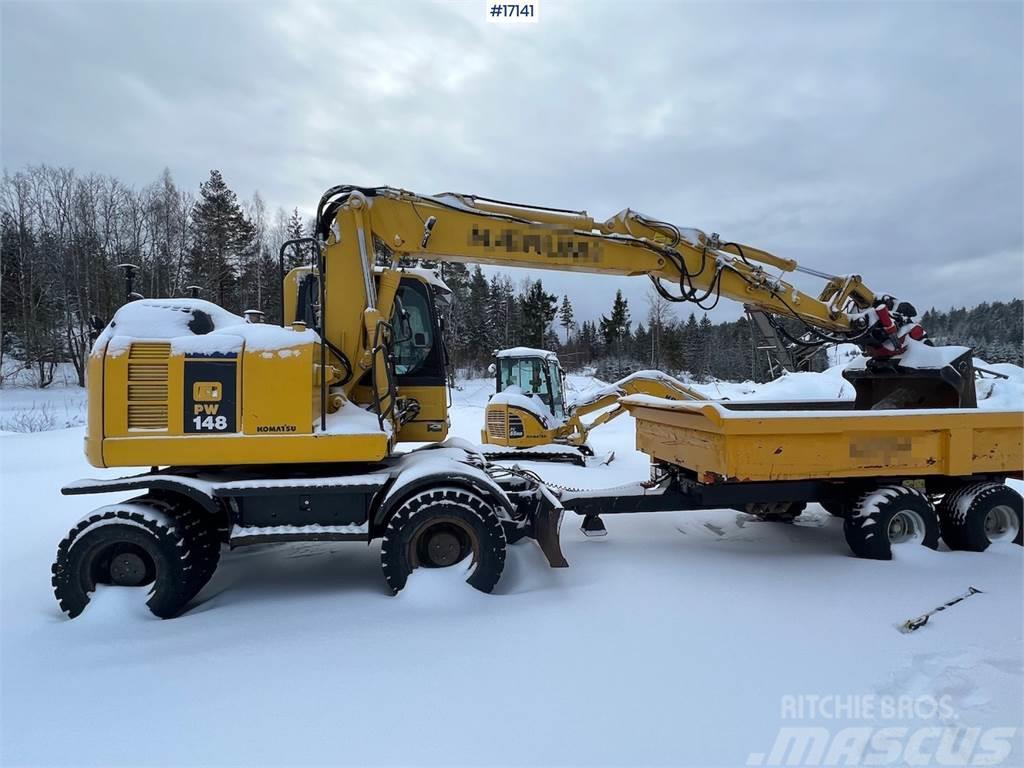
[[147, 385], [496, 423]]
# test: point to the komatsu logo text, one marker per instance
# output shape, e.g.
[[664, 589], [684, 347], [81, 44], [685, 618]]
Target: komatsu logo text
[[277, 428]]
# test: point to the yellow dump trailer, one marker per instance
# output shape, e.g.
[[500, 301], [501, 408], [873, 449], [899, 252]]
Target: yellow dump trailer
[[894, 476], [774, 441]]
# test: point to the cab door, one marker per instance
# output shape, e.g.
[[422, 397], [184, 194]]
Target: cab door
[[420, 365]]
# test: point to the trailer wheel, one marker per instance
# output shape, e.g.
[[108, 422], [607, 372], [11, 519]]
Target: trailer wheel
[[128, 544], [980, 514], [440, 528], [890, 516]]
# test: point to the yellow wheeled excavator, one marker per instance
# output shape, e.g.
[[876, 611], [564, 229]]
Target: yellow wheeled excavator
[[531, 414], [254, 433]]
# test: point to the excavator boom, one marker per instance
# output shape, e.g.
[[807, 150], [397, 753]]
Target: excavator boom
[[361, 225]]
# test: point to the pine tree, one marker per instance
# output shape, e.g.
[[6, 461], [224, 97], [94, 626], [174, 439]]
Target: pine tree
[[588, 343], [539, 310], [501, 308], [478, 337], [692, 349], [615, 328], [221, 236], [565, 316], [295, 256]]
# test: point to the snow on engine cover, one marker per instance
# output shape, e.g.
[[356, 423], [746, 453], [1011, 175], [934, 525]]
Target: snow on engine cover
[[164, 368]]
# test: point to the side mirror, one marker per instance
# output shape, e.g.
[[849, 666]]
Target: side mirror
[[492, 369]]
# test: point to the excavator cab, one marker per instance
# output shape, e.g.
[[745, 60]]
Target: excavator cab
[[529, 400], [536, 373]]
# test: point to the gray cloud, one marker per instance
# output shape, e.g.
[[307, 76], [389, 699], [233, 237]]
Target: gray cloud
[[883, 139]]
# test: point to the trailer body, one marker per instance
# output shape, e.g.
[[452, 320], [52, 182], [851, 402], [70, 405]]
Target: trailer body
[[784, 441], [893, 476]]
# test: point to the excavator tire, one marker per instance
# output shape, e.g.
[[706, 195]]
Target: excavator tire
[[980, 514], [201, 529], [439, 528], [891, 515], [134, 543]]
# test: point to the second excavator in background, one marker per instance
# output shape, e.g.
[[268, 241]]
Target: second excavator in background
[[531, 417]]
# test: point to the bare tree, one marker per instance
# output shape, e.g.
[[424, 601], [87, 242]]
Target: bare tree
[[659, 315]]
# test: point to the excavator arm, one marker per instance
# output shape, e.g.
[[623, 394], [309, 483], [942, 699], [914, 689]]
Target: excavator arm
[[360, 225], [606, 400]]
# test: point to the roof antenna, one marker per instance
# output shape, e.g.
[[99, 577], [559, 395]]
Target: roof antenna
[[129, 281]]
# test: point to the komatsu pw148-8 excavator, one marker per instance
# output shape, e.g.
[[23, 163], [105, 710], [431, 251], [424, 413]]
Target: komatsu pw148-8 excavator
[[530, 413], [257, 433]]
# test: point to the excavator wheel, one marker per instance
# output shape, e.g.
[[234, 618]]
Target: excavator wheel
[[890, 516], [131, 544], [980, 514], [439, 528], [201, 529]]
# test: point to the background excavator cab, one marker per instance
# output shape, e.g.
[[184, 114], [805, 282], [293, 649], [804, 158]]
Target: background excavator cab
[[528, 408], [535, 373]]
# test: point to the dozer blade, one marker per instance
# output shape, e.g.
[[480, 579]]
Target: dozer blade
[[946, 380], [547, 522]]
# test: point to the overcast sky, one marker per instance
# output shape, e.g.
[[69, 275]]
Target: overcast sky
[[882, 139]]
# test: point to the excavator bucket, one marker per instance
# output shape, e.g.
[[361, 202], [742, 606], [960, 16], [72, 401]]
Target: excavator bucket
[[944, 379]]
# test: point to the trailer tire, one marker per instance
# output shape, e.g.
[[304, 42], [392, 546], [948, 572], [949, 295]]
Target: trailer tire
[[980, 514], [426, 529], [891, 514], [152, 546]]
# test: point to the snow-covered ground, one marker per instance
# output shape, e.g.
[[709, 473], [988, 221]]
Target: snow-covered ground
[[679, 639]]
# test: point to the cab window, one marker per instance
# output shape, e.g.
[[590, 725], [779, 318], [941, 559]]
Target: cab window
[[419, 358]]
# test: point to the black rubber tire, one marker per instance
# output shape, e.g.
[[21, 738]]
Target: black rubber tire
[[464, 508], [200, 527], [867, 527], [962, 514], [160, 536]]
